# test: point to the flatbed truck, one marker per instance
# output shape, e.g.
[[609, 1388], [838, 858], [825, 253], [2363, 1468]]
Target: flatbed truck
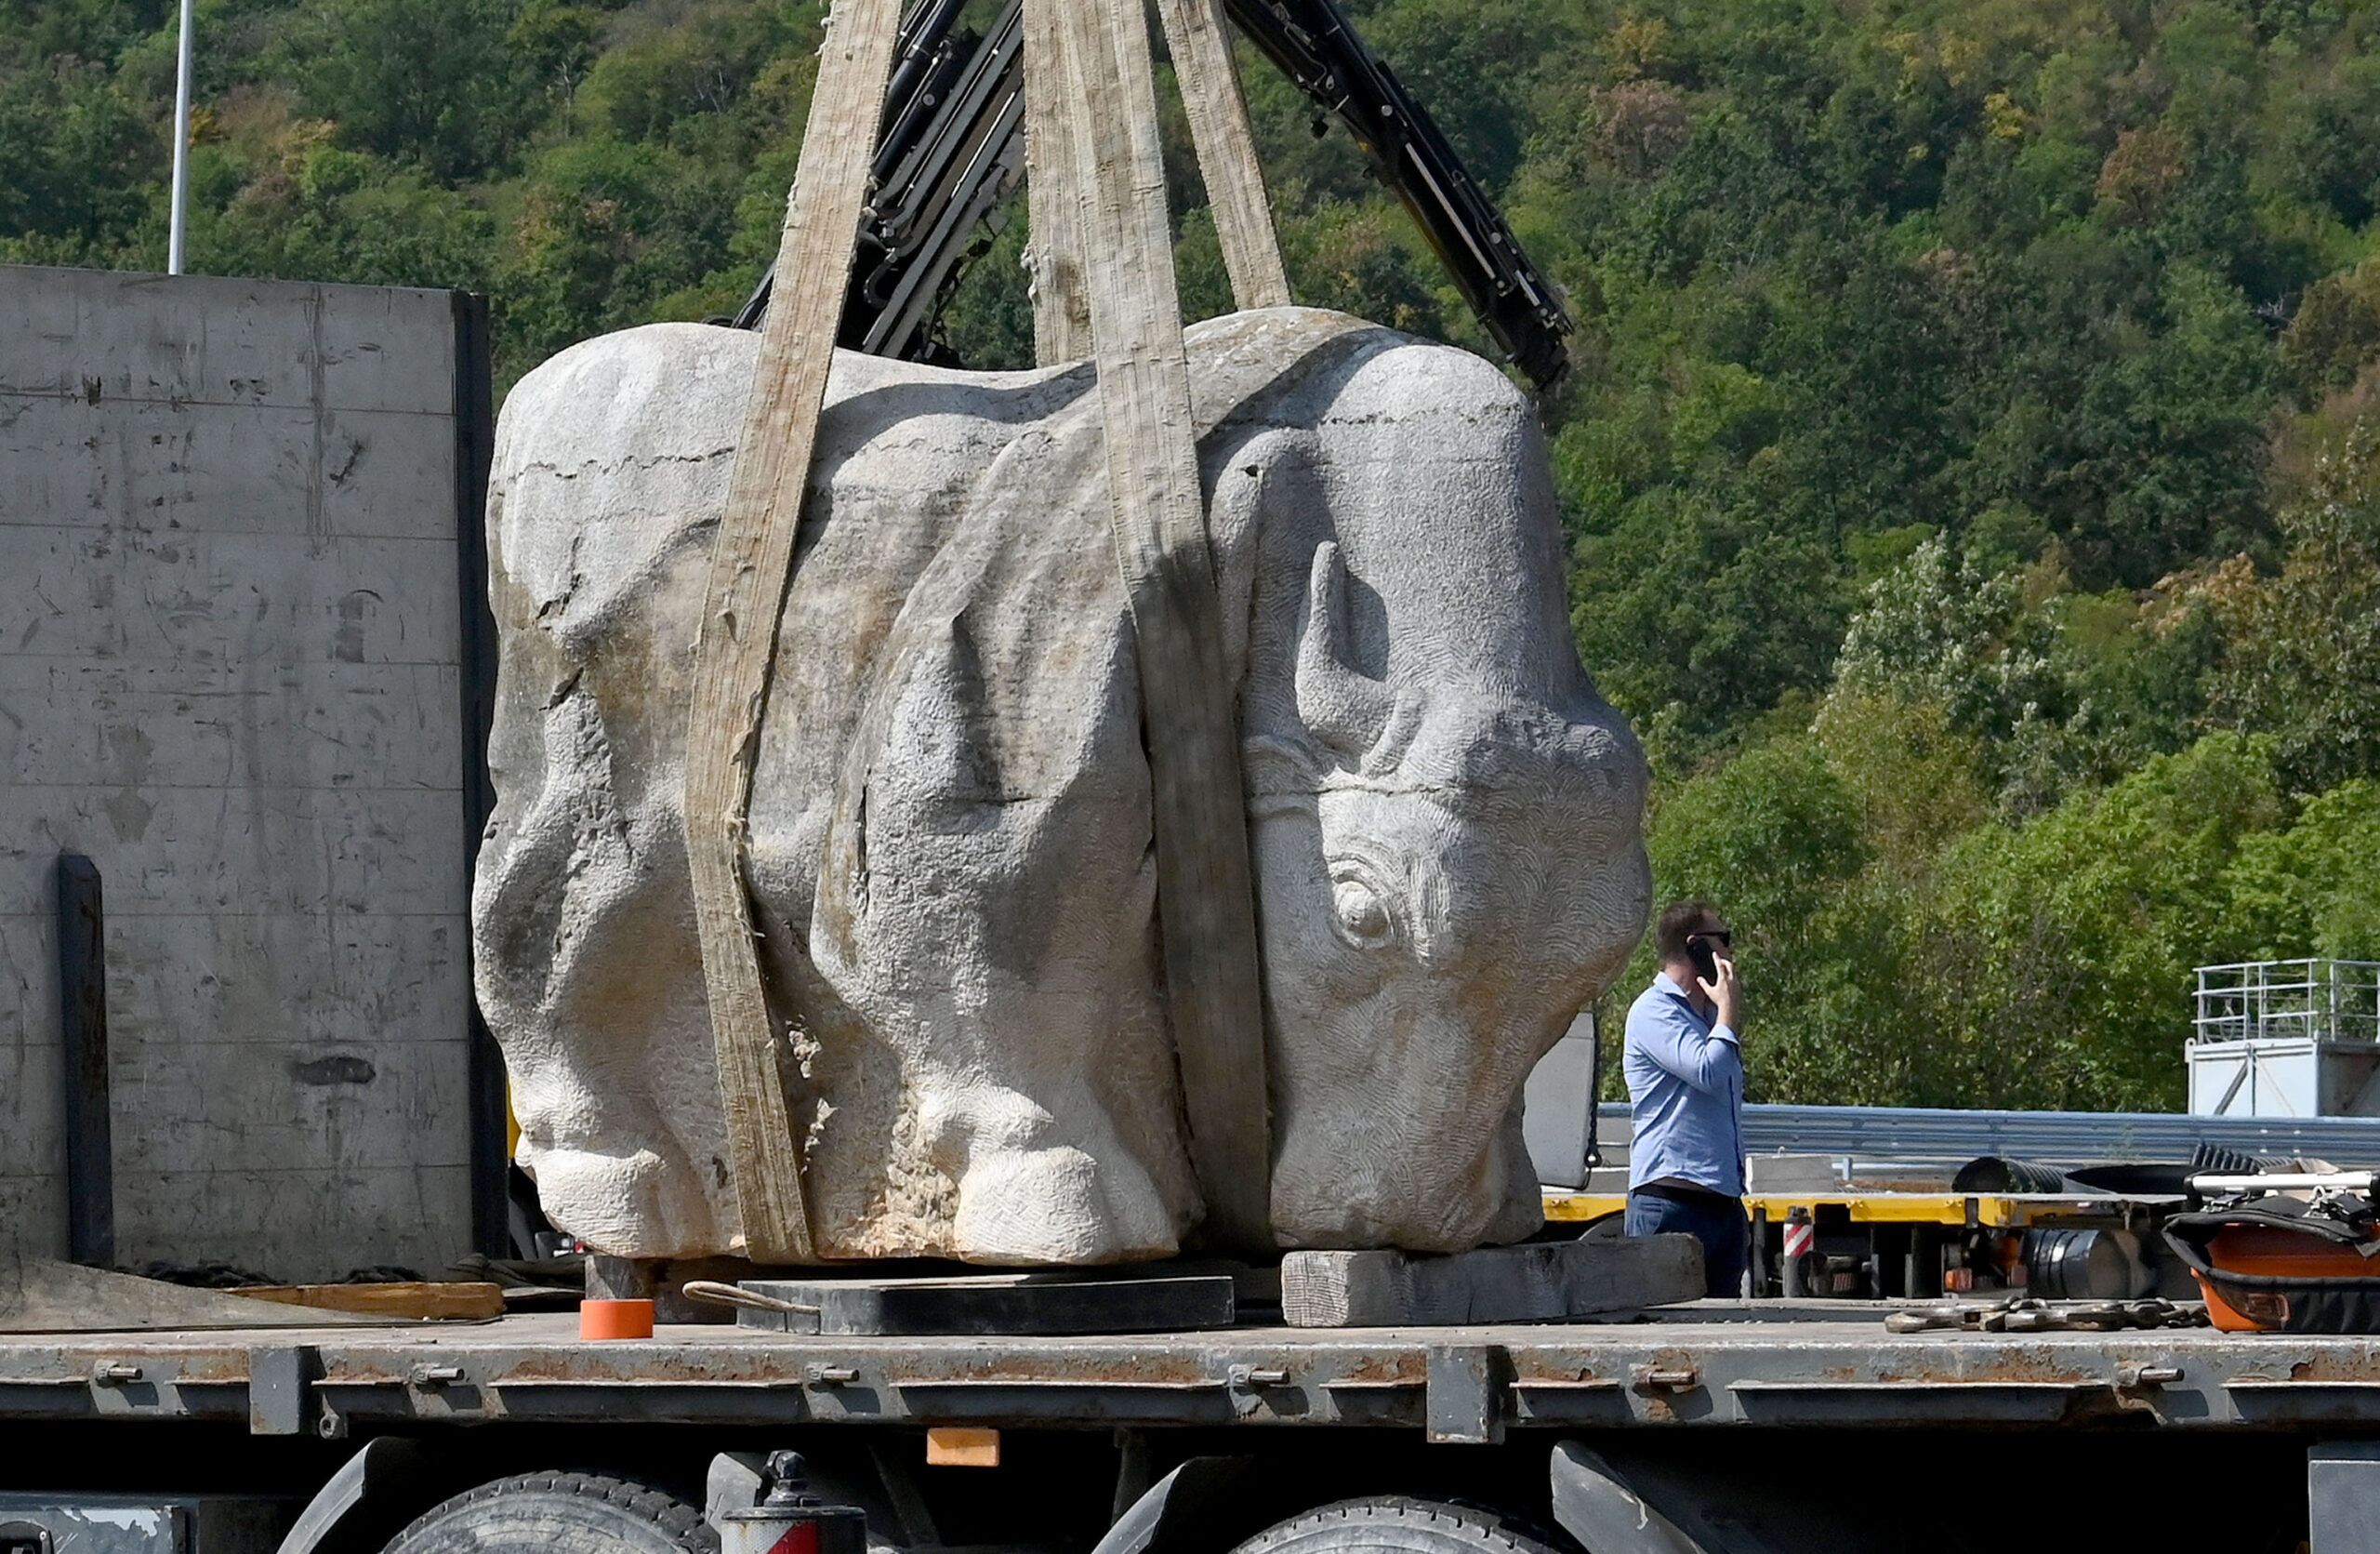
[[1720, 1425]]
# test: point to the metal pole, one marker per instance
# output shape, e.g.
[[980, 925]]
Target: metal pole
[[179, 220]]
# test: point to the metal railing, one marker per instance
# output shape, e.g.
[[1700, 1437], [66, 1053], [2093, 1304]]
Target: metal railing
[[2321, 999]]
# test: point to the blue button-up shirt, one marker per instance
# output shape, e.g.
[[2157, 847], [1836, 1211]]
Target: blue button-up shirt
[[1685, 1082]]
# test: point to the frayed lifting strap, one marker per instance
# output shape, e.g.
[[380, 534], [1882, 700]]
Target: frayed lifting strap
[[751, 563], [1103, 268]]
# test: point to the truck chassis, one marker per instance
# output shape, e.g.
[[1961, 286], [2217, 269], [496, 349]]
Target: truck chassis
[[1852, 1428]]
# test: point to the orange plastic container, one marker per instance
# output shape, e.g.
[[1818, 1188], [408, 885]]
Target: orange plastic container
[[2276, 1254], [615, 1319]]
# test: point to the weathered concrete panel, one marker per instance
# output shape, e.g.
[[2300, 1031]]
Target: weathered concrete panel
[[101, 591], [246, 725], [341, 983], [101, 335], [269, 1221], [309, 851], [34, 1210], [223, 468], [297, 1098], [230, 673]]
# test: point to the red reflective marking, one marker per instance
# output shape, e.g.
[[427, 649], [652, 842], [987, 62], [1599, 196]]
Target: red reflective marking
[[799, 1539]]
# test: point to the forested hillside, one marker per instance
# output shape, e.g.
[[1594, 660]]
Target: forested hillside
[[1972, 467]]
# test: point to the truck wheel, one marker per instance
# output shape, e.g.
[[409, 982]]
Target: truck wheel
[[559, 1514], [1398, 1525]]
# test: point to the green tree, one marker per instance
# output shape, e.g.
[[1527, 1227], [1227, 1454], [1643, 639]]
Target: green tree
[[2303, 655], [2051, 965], [1773, 838], [78, 163], [2313, 889], [432, 82]]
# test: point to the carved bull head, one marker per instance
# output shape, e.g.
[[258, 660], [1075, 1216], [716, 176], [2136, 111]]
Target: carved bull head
[[1447, 872]]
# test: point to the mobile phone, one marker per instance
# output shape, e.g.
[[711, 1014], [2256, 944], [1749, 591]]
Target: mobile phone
[[1704, 952]]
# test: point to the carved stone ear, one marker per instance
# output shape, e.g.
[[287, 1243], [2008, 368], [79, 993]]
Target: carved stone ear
[[1345, 710]]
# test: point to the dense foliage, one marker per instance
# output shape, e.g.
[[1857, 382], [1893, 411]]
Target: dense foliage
[[1972, 467]]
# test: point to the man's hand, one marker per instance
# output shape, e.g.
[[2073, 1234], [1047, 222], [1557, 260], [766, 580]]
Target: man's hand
[[1725, 1002]]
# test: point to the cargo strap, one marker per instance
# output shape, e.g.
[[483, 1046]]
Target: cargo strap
[[1098, 188], [1217, 110], [751, 563], [1219, 128], [1206, 899]]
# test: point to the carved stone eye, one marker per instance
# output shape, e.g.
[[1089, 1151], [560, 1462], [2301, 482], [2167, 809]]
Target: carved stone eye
[[1363, 918]]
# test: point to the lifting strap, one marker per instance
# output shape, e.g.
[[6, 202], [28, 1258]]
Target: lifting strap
[[1217, 108], [1097, 187], [1053, 221], [751, 563], [1205, 894], [1219, 127]]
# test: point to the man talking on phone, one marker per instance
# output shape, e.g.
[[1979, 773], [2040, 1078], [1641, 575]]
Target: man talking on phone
[[1685, 1082]]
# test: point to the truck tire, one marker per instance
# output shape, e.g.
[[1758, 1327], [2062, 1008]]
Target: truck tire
[[559, 1514], [1398, 1524]]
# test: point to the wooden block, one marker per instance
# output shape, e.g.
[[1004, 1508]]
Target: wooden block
[[1546, 1282], [994, 1305], [947, 1446], [406, 1302]]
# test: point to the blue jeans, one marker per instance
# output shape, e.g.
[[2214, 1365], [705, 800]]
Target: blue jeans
[[1718, 1223]]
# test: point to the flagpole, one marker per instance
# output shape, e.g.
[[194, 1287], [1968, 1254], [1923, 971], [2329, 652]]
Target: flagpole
[[179, 219]]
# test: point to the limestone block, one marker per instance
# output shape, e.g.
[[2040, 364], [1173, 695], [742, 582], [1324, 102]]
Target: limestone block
[[949, 847]]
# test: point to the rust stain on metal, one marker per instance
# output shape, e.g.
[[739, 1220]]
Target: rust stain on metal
[[1402, 1369], [1133, 1368], [2360, 1365], [1663, 1403], [1562, 1376]]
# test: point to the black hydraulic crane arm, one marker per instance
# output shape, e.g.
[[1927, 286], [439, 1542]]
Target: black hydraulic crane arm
[[953, 149], [1312, 44]]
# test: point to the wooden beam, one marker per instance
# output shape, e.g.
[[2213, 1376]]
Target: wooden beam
[[751, 563], [406, 1302], [1206, 906], [1219, 127], [1053, 206]]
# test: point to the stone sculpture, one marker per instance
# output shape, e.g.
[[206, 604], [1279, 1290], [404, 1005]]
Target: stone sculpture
[[949, 834]]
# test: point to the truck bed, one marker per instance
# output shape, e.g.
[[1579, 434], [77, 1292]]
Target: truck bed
[[1706, 1363]]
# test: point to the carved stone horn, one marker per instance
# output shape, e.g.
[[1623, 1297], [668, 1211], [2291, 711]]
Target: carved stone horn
[[1345, 709]]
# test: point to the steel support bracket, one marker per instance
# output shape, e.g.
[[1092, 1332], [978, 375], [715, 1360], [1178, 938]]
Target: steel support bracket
[[1464, 1391], [2342, 1498], [279, 1380]]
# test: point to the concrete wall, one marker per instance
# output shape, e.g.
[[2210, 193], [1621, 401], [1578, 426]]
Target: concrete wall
[[230, 673]]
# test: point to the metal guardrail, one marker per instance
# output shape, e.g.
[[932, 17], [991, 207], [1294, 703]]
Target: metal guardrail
[[2053, 1138]]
